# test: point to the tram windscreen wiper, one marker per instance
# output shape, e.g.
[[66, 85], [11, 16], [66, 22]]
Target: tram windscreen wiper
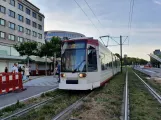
[[78, 67]]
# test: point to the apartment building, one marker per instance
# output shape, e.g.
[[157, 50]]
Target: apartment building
[[20, 21]]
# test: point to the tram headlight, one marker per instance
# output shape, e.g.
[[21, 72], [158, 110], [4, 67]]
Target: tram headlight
[[62, 75], [82, 75]]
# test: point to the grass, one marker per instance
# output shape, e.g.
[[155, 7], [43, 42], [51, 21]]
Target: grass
[[49, 110], [105, 102], [10, 109], [152, 83], [21, 105], [142, 104]]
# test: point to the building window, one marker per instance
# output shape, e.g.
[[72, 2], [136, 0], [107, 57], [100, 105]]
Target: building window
[[2, 22], [28, 21], [11, 37], [20, 28], [20, 6], [34, 34], [2, 9], [39, 36], [40, 18], [20, 18], [2, 35], [34, 14], [40, 27], [28, 31], [28, 40], [12, 25], [20, 39], [28, 11], [12, 2], [11, 13], [34, 24]]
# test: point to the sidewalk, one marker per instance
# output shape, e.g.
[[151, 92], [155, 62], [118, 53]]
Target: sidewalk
[[36, 86], [32, 78], [42, 81]]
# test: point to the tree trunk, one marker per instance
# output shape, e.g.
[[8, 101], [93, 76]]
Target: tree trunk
[[54, 62], [28, 61], [46, 65]]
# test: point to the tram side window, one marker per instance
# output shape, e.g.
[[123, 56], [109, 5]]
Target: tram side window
[[103, 61], [115, 62], [108, 61], [92, 59]]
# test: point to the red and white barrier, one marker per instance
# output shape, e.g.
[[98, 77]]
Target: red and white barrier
[[10, 82]]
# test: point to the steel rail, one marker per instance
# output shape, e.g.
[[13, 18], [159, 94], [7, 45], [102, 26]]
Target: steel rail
[[126, 110], [151, 90], [70, 108], [26, 110]]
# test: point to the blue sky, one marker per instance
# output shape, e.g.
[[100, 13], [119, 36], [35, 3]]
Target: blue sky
[[145, 33]]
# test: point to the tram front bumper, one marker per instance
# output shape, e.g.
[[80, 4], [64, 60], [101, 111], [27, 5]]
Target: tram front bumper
[[75, 86]]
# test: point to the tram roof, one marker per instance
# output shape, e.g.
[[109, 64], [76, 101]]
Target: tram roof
[[91, 38], [81, 38]]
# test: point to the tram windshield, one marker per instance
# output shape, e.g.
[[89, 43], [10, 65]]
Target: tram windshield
[[73, 57]]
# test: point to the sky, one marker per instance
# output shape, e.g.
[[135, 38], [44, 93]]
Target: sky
[[144, 36]]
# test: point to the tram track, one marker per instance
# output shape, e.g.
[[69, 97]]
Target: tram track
[[67, 112], [65, 100], [71, 103], [151, 81], [126, 98], [140, 100], [104, 104], [150, 89], [144, 101], [28, 109]]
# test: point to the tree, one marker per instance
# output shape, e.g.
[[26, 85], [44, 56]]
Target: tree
[[51, 48], [118, 55], [27, 48], [132, 60]]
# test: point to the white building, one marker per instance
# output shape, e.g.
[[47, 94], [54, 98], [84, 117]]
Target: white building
[[20, 21], [61, 34]]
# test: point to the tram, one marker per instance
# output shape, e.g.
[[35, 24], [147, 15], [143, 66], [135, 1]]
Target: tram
[[86, 64]]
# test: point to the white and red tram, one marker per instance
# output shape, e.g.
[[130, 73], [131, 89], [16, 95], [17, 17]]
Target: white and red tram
[[86, 64]]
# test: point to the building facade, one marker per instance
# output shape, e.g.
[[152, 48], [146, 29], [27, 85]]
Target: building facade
[[155, 62], [62, 34], [157, 52], [20, 21]]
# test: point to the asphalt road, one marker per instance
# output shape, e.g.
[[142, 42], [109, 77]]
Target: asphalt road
[[153, 72]]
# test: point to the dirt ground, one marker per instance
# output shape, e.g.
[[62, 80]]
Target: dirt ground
[[104, 104], [91, 111], [158, 81]]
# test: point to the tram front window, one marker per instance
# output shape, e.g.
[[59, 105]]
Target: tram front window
[[73, 57]]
